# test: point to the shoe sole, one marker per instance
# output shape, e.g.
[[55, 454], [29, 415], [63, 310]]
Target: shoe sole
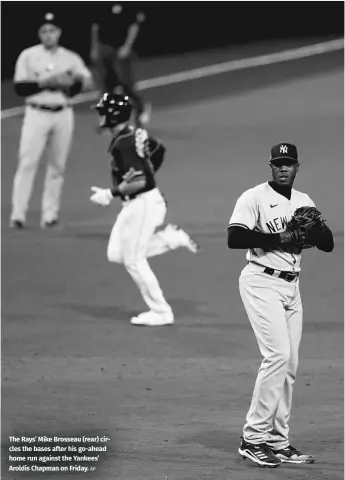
[[256, 460], [195, 248], [297, 462], [48, 226], [142, 324], [193, 245], [152, 324]]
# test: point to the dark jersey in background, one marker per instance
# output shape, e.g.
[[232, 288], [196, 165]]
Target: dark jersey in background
[[115, 20], [126, 159]]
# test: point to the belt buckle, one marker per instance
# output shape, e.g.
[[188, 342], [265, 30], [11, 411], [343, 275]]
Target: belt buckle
[[290, 276]]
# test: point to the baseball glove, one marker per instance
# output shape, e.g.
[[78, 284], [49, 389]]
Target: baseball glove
[[64, 80], [60, 81], [67, 82], [305, 227]]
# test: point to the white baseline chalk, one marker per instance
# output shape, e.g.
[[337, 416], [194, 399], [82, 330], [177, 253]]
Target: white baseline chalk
[[209, 70]]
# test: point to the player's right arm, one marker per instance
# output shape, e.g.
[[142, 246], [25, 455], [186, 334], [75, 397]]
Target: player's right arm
[[133, 181], [128, 187], [241, 233], [130, 182], [25, 83]]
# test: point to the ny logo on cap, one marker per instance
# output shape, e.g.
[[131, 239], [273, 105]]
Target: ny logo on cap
[[283, 149], [49, 16]]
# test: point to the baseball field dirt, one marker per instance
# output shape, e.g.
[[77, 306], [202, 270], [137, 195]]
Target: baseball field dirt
[[172, 400]]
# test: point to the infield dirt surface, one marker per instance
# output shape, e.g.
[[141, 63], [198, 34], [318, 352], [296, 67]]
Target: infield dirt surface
[[173, 399]]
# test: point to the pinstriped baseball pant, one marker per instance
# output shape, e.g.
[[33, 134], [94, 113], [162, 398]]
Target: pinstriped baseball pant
[[274, 309]]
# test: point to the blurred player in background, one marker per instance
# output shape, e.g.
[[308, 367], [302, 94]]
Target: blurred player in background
[[48, 76], [135, 158], [113, 51]]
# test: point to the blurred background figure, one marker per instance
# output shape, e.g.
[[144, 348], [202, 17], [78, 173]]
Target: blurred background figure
[[48, 76], [136, 157], [112, 54]]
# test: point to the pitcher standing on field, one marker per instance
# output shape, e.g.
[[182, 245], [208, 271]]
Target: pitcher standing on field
[[269, 288]]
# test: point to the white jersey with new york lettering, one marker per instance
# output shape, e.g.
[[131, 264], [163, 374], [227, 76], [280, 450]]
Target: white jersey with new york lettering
[[264, 210], [37, 63]]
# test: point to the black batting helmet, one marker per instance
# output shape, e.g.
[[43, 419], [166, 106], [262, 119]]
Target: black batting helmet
[[113, 109]]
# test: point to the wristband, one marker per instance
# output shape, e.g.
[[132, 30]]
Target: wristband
[[115, 192], [285, 237]]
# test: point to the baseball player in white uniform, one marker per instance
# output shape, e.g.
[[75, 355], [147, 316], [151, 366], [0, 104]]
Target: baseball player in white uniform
[[135, 157], [48, 76], [269, 288]]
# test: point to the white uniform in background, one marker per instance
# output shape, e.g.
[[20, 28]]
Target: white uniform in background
[[48, 122]]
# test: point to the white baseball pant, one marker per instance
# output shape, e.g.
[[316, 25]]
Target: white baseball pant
[[133, 239], [41, 129], [274, 309]]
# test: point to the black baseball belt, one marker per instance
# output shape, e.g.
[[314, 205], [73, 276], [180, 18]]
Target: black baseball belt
[[134, 195], [48, 108]]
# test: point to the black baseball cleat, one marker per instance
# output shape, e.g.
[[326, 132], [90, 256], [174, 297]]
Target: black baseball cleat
[[17, 224], [290, 454], [259, 453], [49, 224]]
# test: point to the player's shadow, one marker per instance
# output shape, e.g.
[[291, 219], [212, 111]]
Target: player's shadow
[[182, 308], [221, 440], [218, 439], [86, 235], [103, 312]]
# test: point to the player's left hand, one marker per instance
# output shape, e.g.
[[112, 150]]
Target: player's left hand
[[305, 227], [101, 196]]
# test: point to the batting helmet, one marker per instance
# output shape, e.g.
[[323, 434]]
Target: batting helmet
[[114, 109]]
